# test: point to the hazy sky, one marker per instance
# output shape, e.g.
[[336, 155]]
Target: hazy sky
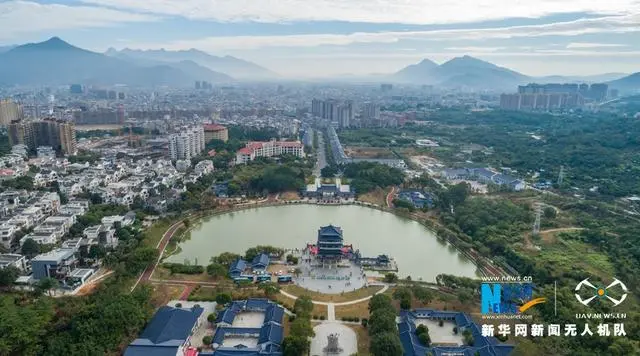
[[328, 37]]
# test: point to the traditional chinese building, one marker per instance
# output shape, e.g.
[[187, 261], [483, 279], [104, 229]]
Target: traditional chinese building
[[330, 242]]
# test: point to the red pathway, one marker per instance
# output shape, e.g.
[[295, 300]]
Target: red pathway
[[161, 246], [185, 293], [390, 197]]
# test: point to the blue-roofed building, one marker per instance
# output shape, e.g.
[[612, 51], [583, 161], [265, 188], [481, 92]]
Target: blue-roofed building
[[417, 198], [237, 268], [330, 242], [260, 262], [264, 339], [168, 332], [483, 346]]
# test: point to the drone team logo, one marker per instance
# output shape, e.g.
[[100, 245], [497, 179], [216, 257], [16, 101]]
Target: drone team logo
[[601, 292]]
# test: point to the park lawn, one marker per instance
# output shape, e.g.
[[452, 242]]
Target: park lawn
[[287, 302], [363, 339], [162, 294], [360, 310], [377, 196], [336, 298], [154, 233], [161, 273]]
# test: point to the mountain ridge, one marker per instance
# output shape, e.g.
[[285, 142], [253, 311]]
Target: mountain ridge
[[55, 61], [233, 66]]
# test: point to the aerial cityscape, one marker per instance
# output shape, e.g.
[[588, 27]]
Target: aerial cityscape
[[329, 179]]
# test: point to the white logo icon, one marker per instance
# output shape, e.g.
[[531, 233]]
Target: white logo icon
[[601, 292]]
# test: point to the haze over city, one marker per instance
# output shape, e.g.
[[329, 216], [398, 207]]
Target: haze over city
[[331, 38]]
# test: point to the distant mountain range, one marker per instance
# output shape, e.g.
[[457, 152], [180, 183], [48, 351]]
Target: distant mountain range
[[463, 71], [235, 67], [55, 62], [474, 73]]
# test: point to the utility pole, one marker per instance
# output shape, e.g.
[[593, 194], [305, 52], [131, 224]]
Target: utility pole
[[561, 176], [536, 224]]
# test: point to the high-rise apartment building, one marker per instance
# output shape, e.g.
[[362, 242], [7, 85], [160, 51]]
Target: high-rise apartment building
[[59, 134], [371, 111], [345, 114], [215, 132], [9, 111], [596, 91], [334, 111], [187, 143]]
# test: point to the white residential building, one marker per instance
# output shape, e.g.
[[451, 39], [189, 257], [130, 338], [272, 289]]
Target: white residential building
[[268, 149], [186, 144]]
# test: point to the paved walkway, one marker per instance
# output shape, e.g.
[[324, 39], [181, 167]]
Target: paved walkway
[[162, 244], [384, 289], [390, 197], [331, 312]]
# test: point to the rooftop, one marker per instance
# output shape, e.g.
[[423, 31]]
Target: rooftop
[[169, 328]]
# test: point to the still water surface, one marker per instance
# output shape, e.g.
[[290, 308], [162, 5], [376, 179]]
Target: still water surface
[[416, 249]]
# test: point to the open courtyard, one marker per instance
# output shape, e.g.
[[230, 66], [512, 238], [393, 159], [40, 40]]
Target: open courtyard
[[334, 278], [248, 320], [442, 335], [347, 339]]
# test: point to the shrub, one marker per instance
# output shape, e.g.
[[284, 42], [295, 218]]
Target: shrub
[[421, 329], [178, 305], [364, 322], [292, 318], [455, 330], [322, 317], [424, 339], [183, 269], [211, 317], [207, 340], [440, 323]]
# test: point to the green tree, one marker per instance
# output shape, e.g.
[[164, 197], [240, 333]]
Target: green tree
[[405, 303], [140, 259], [8, 275], [386, 344], [207, 340], [24, 326], [223, 298], [382, 321], [225, 258], [303, 306], [216, 270], [379, 301], [422, 294], [425, 339], [30, 248], [301, 326], [212, 317], [295, 346], [464, 296], [549, 212], [401, 293], [269, 288], [391, 278], [47, 285]]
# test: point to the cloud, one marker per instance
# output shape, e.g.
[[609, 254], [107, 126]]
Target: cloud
[[575, 45], [395, 11], [468, 49], [607, 24], [20, 17]]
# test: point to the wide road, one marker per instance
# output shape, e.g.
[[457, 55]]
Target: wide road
[[321, 160]]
